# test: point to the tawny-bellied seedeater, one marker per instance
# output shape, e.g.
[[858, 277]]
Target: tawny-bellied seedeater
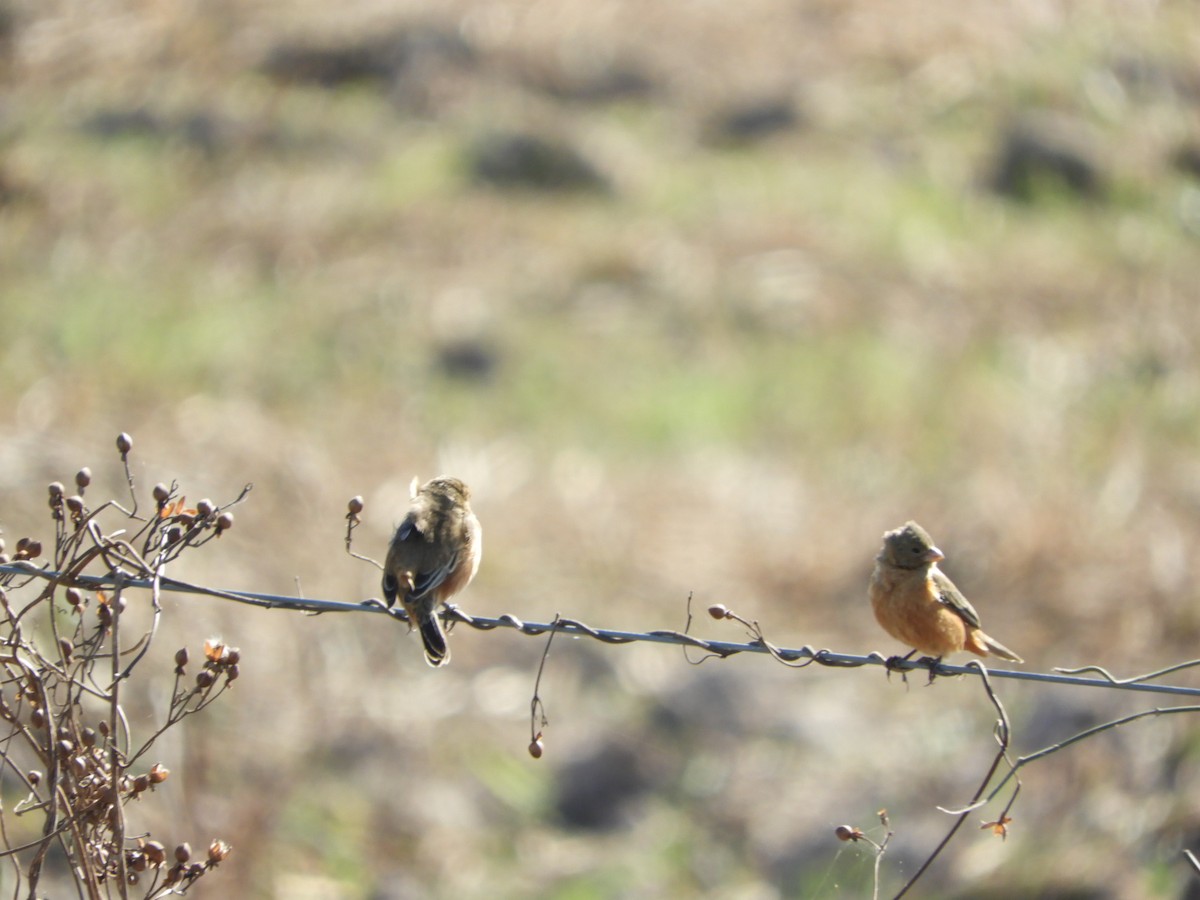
[[917, 604], [433, 555]]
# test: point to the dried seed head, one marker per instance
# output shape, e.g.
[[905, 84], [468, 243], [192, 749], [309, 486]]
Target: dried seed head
[[232, 673], [124, 443], [536, 748], [141, 783], [34, 549], [181, 657], [155, 852], [83, 478], [66, 648], [75, 504], [56, 489], [88, 735], [74, 597], [355, 505], [158, 773], [65, 747], [183, 852], [218, 851], [174, 534], [224, 521], [205, 508], [34, 776], [718, 611], [847, 833], [104, 614], [204, 678], [161, 493], [136, 860], [233, 656], [102, 725], [37, 718], [79, 766]]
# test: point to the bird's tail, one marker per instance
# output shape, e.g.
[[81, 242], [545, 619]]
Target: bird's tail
[[998, 649], [434, 639]]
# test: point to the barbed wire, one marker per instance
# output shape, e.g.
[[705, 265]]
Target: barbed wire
[[576, 628]]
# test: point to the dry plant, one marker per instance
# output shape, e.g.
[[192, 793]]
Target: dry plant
[[66, 660]]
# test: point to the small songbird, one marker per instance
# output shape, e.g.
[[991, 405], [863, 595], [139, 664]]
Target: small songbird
[[917, 604], [433, 555]]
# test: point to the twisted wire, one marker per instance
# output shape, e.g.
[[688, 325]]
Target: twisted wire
[[803, 655]]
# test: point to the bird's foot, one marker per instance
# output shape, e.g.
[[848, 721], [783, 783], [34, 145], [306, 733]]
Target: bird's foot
[[932, 662]]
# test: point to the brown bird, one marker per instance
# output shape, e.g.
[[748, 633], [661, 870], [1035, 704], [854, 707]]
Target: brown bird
[[917, 604], [433, 555]]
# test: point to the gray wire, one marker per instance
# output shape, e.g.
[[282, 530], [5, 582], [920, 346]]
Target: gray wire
[[612, 636]]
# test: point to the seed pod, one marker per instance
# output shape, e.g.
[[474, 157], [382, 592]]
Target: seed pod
[[83, 478], [155, 852], [718, 611], [56, 489], [74, 597], [224, 521], [141, 783], [161, 493], [205, 508], [66, 648], [34, 776], [218, 851], [124, 443], [355, 505], [204, 678], [183, 852], [37, 718], [233, 656], [75, 504], [181, 657], [536, 748], [158, 773]]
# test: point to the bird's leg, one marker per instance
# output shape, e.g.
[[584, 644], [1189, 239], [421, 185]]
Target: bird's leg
[[932, 662]]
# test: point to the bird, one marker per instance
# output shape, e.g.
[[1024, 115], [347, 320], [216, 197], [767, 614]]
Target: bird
[[916, 603], [433, 555]]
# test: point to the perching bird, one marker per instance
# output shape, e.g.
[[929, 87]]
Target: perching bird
[[433, 555], [917, 604]]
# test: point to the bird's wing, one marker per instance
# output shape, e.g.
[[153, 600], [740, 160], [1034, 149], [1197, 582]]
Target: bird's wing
[[950, 595], [425, 582]]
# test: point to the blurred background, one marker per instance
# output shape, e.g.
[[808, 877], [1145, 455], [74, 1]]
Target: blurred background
[[698, 298]]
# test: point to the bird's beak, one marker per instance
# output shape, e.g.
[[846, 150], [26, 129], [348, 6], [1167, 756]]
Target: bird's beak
[[933, 554]]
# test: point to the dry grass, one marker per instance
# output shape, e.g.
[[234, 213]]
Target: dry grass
[[729, 374]]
